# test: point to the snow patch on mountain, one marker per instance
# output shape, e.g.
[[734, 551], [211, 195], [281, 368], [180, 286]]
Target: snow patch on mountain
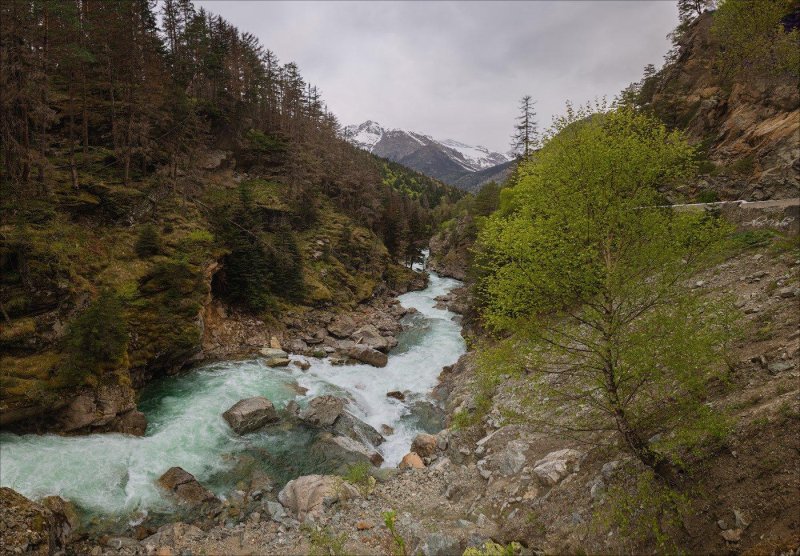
[[471, 158], [477, 157]]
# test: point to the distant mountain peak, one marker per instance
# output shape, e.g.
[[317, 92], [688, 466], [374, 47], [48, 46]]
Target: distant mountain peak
[[448, 160]]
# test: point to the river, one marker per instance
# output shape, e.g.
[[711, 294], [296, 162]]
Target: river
[[114, 475]]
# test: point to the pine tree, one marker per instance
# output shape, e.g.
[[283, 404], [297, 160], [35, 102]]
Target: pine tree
[[148, 243], [525, 138]]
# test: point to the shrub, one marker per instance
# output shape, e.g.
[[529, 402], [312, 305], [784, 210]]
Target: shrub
[[707, 196], [645, 512], [358, 475], [399, 543], [490, 548], [325, 543]]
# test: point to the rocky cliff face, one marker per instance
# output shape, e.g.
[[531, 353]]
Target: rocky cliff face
[[748, 129]]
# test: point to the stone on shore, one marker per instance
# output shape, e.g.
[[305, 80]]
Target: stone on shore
[[424, 445], [310, 494], [342, 327], [250, 414], [185, 487], [275, 357], [411, 461], [367, 355], [369, 335]]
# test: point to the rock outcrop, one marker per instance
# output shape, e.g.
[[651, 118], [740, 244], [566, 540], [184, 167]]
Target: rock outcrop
[[29, 528], [108, 408], [750, 128]]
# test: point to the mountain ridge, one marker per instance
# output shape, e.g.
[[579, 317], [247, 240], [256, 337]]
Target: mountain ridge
[[448, 160]]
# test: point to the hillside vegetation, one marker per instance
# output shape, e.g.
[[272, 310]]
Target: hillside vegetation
[[154, 157]]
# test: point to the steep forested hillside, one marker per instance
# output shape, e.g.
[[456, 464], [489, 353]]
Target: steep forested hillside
[[153, 156]]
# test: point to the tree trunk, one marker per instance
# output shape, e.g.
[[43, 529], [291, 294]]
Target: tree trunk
[[72, 168]]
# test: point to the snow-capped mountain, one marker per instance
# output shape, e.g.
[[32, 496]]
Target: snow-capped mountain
[[448, 160]]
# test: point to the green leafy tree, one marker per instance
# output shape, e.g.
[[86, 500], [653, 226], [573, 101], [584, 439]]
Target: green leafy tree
[[754, 39], [590, 272]]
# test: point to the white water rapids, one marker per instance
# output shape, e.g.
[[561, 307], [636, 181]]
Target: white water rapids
[[115, 474]]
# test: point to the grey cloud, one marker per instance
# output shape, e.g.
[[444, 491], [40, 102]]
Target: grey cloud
[[457, 69]]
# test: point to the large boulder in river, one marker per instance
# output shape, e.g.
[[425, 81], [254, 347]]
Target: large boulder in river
[[250, 414], [310, 494], [339, 452], [351, 426], [185, 487], [27, 527], [132, 422], [323, 411], [367, 355], [369, 335]]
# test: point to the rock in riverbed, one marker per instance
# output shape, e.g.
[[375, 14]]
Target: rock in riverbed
[[250, 414], [185, 487], [351, 426], [369, 335], [367, 355], [323, 411], [344, 450]]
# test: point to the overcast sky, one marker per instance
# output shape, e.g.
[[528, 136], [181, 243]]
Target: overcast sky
[[457, 69]]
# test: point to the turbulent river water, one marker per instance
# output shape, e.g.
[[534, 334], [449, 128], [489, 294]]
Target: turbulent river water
[[114, 474]]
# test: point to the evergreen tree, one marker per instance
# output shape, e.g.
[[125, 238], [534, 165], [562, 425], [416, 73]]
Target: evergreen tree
[[148, 243], [525, 138], [97, 340]]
